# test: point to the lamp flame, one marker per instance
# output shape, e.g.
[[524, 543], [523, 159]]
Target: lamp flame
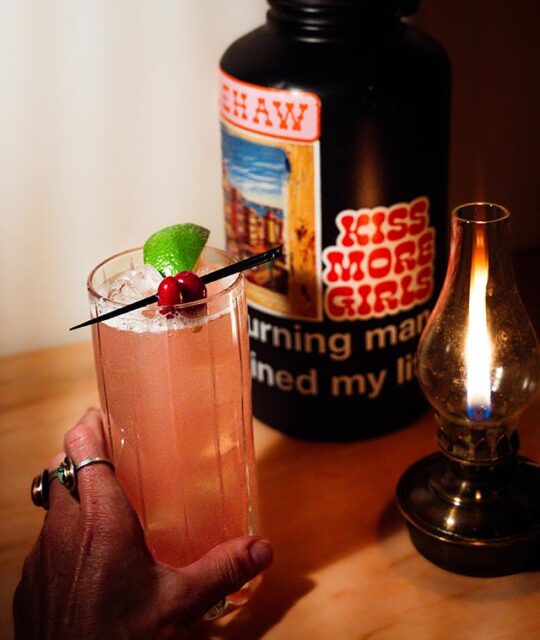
[[478, 351]]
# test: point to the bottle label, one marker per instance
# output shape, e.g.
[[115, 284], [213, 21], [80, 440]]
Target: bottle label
[[286, 115], [382, 262], [270, 154], [333, 325]]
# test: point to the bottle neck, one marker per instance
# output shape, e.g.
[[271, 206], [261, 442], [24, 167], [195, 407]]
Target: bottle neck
[[336, 20]]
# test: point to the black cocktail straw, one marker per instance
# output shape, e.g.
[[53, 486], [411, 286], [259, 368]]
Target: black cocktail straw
[[229, 270]]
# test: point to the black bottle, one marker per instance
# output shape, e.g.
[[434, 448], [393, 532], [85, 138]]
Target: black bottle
[[335, 119]]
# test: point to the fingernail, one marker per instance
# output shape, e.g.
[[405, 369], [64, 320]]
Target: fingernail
[[261, 553]]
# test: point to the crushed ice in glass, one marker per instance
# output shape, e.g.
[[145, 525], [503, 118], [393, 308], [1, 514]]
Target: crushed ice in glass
[[142, 282], [135, 284]]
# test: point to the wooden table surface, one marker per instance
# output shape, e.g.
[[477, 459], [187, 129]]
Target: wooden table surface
[[344, 566]]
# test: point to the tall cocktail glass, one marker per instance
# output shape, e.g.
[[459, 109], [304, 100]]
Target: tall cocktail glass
[[176, 400]]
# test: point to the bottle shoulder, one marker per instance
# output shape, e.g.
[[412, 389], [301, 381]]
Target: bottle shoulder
[[267, 58], [258, 57], [421, 47]]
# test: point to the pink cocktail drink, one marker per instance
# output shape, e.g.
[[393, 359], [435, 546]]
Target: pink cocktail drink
[[176, 399]]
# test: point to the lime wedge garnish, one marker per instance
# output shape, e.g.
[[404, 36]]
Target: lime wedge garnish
[[176, 248]]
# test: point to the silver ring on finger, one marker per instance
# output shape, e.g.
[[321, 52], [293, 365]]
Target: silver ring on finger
[[65, 473]]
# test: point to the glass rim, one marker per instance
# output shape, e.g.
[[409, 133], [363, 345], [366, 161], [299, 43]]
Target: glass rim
[[499, 212], [183, 305]]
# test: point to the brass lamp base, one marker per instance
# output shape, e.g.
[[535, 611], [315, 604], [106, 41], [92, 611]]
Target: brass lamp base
[[476, 520]]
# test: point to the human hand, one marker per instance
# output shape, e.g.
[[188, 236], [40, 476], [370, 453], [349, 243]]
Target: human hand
[[91, 576]]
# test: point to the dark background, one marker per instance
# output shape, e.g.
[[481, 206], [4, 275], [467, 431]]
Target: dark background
[[494, 49]]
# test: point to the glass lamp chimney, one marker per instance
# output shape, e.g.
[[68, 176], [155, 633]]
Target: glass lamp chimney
[[478, 359]]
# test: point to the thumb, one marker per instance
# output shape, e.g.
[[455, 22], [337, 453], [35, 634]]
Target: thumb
[[193, 590]]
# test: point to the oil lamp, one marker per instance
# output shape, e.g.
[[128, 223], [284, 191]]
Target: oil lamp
[[474, 507]]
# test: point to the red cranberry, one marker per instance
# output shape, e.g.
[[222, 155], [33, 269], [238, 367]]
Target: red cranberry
[[191, 286], [169, 294]]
